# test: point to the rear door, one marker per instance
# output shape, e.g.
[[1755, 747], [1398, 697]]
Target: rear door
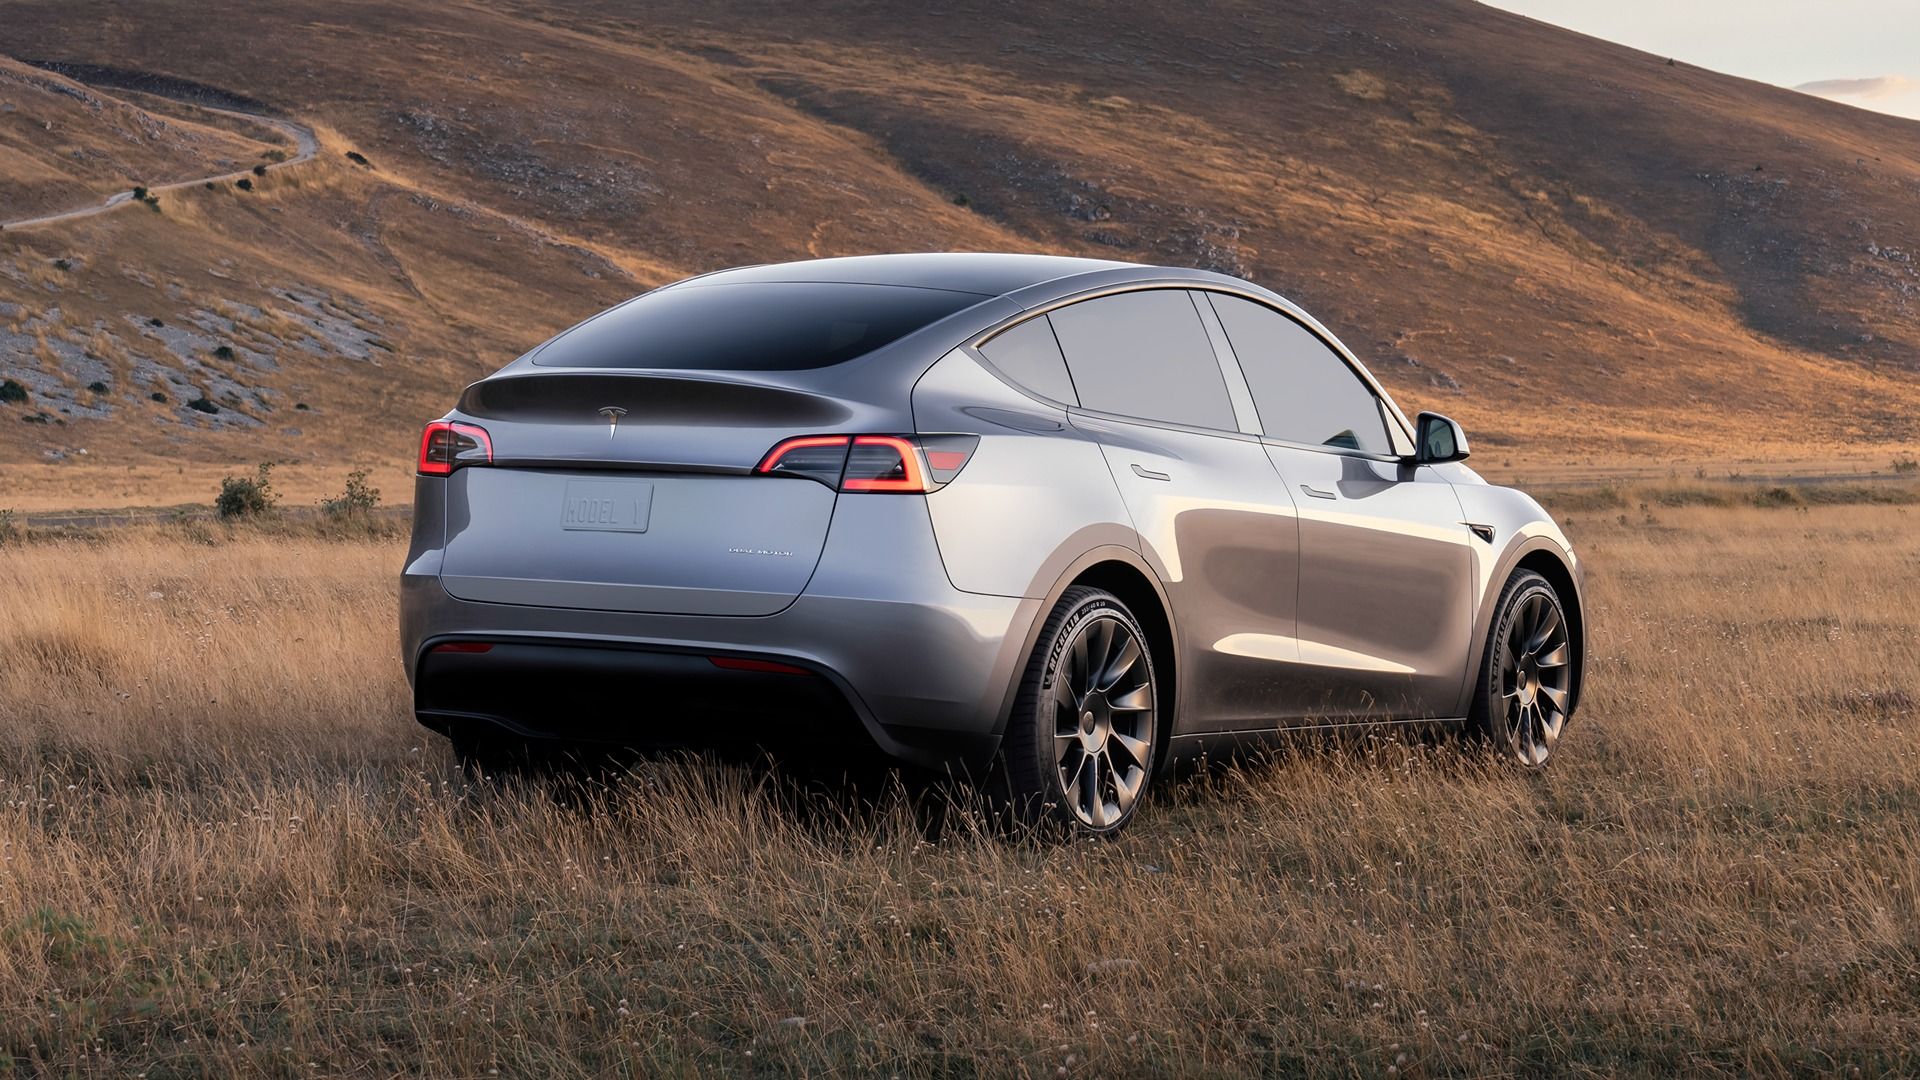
[[1386, 568], [1212, 522]]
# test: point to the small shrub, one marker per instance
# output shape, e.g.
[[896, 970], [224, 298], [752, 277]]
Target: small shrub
[[259, 170], [159, 397], [1775, 496], [99, 387], [140, 193], [962, 201], [36, 418], [243, 184], [1905, 465], [201, 404], [10, 530], [359, 159], [12, 393], [224, 352], [247, 496], [359, 498], [155, 320], [63, 265], [299, 406]]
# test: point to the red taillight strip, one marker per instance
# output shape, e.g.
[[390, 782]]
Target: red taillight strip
[[915, 479], [464, 646], [774, 455], [479, 434]]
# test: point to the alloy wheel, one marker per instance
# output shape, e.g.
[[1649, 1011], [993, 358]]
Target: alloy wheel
[[1103, 728], [1535, 677]]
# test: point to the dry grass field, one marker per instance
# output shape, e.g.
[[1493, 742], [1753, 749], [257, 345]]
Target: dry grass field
[[225, 848]]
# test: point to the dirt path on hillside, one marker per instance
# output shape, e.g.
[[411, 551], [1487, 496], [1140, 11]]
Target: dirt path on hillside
[[306, 143]]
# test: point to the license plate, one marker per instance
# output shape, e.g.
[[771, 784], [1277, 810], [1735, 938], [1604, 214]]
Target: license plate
[[607, 505]]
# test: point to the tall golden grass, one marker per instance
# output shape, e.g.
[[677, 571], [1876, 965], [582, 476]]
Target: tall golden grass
[[225, 847]]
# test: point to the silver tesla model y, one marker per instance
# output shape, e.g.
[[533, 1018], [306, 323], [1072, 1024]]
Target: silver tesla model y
[[1057, 522]]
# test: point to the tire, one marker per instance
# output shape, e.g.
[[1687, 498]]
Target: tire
[[1081, 746], [1525, 690]]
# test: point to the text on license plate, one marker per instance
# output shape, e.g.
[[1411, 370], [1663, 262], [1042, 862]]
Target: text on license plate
[[607, 505]]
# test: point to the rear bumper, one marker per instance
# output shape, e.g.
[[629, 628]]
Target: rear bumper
[[925, 670], [586, 694]]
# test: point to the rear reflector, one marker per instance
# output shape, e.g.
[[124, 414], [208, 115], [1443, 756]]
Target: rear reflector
[[899, 464], [742, 663], [446, 446], [464, 646], [946, 455]]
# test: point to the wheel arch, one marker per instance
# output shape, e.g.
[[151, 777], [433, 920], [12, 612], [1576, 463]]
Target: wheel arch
[[1124, 573], [1546, 558]]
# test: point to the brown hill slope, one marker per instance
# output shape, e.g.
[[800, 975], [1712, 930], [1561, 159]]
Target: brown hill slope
[[1575, 248], [67, 145]]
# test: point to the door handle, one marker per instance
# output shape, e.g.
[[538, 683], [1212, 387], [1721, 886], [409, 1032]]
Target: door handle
[[1317, 493], [1148, 474]]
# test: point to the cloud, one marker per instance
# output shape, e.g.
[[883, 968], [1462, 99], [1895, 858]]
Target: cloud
[[1879, 86]]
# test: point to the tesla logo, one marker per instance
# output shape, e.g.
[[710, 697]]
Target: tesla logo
[[613, 413]]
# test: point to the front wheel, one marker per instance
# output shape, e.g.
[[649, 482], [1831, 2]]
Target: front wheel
[[1526, 679], [1079, 749]]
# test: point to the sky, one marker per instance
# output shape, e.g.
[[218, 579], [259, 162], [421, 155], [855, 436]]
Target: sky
[[1861, 52]]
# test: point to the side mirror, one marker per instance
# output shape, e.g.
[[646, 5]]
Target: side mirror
[[1438, 440]]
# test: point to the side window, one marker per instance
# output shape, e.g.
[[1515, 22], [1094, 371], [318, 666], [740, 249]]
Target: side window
[[1030, 356], [1144, 354], [1303, 390]]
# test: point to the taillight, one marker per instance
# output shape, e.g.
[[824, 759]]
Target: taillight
[[899, 464], [816, 457], [884, 463], [446, 446], [946, 455]]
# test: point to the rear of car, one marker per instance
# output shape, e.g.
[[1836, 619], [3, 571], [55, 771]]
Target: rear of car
[[701, 516]]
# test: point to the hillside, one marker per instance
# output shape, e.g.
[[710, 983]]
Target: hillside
[[1578, 250]]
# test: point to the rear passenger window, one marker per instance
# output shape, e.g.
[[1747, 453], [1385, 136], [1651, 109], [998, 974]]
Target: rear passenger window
[[1302, 389], [1144, 354], [1030, 356]]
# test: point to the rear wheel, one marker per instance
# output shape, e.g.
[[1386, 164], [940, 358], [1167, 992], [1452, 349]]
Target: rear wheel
[[1079, 749], [1526, 680]]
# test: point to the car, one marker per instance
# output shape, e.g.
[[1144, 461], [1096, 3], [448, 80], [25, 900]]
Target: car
[[1054, 523]]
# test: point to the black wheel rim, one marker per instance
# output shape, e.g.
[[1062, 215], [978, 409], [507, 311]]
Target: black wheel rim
[[1103, 720], [1535, 675]]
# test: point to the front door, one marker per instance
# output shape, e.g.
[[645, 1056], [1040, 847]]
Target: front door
[[1385, 603], [1386, 588]]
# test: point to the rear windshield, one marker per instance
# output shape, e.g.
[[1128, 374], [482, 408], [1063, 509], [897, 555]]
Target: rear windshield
[[752, 326]]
